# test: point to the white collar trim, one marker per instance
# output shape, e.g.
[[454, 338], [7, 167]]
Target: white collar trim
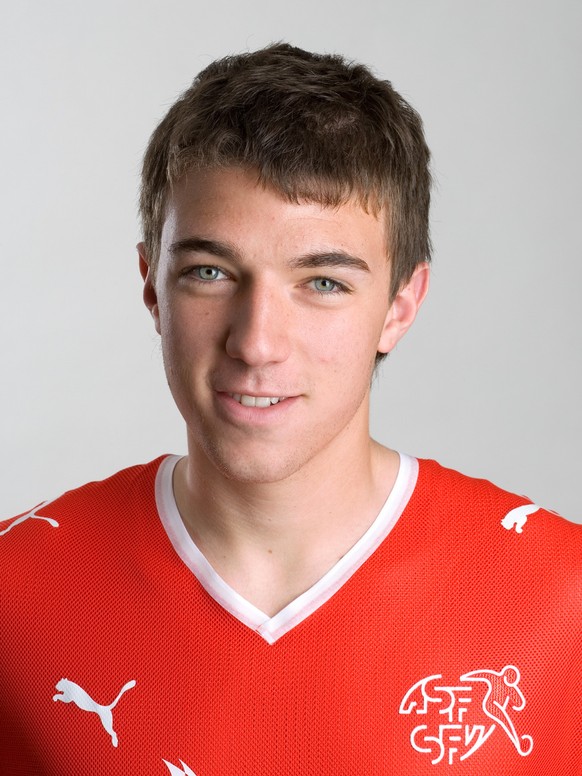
[[272, 628]]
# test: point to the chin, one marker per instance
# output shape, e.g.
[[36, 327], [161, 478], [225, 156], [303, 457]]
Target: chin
[[252, 469]]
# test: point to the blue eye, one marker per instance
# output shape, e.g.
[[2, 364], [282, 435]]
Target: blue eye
[[327, 286], [207, 273]]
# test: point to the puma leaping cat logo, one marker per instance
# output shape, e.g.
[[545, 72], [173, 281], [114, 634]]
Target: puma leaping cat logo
[[31, 516], [71, 692], [518, 517], [183, 771]]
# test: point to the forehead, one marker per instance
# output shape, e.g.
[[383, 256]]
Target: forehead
[[231, 203]]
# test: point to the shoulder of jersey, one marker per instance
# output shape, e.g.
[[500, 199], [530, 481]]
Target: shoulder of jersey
[[48, 524], [499, 516]]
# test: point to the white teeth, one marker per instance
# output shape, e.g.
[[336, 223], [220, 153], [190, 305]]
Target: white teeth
[[256, 401]]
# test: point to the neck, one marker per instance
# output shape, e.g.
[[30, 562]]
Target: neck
[[272, 540]]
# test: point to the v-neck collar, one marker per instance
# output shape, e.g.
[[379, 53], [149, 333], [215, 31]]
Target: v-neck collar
[[272, 628]]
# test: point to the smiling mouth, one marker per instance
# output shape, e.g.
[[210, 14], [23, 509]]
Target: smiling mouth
[[256, 401]]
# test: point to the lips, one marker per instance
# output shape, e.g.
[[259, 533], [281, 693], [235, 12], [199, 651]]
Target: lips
[[262, 402]]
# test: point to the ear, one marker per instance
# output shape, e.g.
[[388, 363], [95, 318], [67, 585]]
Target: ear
[[404, 308], [150, 297]]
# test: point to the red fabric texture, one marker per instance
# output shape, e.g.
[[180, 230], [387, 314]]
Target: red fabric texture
[[103, 599]]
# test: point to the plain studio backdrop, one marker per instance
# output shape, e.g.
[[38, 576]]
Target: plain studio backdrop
[[488, 381]]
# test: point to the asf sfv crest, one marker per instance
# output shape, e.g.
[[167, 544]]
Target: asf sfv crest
[[457, 719]]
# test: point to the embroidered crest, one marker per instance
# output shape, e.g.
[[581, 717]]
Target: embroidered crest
[[459, 718]]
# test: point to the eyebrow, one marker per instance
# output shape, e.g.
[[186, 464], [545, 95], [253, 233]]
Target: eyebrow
[[203, 245], [312, 260], [329, 259]]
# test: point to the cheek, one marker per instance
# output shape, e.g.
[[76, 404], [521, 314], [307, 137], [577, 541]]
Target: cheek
[[351, 334], [188, 330]]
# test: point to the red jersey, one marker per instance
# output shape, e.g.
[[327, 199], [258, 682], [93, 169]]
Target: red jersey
[[446, 641]]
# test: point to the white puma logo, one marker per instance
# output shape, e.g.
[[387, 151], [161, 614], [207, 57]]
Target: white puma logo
[[31, 516], [71, 692], [518, 517], [175, 771]]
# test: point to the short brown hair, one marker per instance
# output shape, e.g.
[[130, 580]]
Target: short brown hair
[[315, 127]]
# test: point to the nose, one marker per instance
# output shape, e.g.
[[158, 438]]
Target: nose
[[259, 331]]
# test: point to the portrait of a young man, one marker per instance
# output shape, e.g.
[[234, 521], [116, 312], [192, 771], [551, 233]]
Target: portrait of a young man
[[291, 597]]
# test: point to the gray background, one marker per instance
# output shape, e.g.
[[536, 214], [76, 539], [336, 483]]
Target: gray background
[[488, 381]]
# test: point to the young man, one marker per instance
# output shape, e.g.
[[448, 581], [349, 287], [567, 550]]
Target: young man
[[290, 597]]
